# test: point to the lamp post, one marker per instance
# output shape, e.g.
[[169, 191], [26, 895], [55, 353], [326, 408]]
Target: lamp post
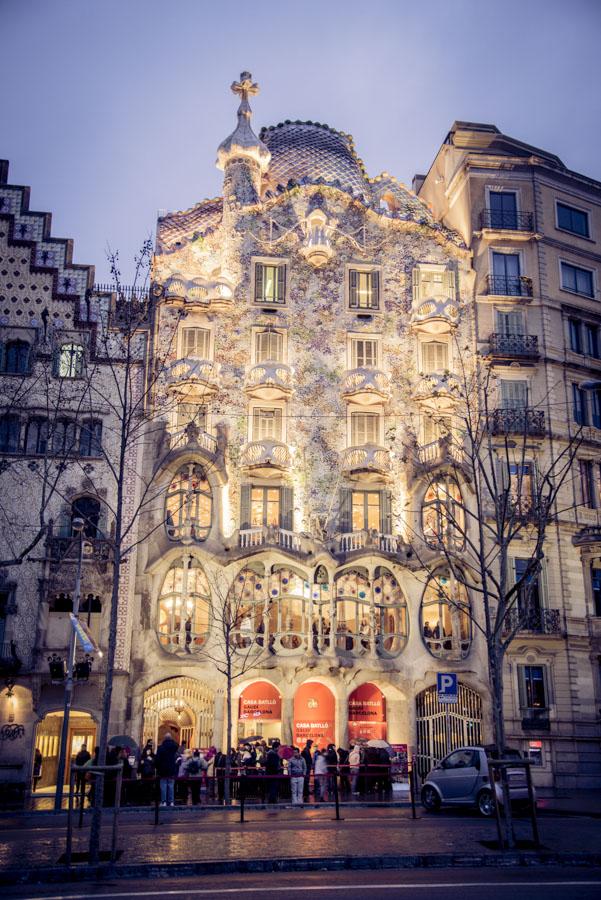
[[78, 527]]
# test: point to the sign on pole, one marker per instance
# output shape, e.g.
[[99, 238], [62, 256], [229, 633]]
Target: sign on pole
[[446, 685], [83, 635]]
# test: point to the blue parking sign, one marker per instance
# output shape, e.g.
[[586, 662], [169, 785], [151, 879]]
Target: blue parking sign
[[446, 685]]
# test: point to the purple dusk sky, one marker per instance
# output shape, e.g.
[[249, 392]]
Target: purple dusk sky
[[114, 109]]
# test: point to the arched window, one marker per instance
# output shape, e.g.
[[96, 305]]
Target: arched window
[[445, 617], [248, 607], [184, 604], [36, 437], [10, 433], [70, 361], [188, 505], [90, 438], [390, 609], [288, 610], [352, 612], [16, 358], [322, 610], [443, 518], [88, 509]]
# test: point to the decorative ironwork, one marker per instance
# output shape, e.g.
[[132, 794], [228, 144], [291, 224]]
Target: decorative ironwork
[[537, 621], [11, 732], [522, 420], [83, 668], [512, 220], [442, 727], [509, 285], [519, 345], [56, 665]]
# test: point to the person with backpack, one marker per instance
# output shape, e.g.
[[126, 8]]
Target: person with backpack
[[194, 771]]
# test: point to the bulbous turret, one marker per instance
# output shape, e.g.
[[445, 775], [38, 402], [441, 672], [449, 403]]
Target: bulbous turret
[[242, 156]]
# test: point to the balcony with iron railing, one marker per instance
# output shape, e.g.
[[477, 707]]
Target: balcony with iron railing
[[522, 421], [366, 386], [509, 286], [511, 220], [265, 457], [269, 381], [513, 346], [367, 462], [535, 621]]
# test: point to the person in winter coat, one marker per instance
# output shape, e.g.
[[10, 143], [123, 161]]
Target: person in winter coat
[[167, 768], [193, 769], [273, 768], [332, 763], [343, 759], [219, 769], [306, 755], [320, 770], [297, 768], [355, 767]]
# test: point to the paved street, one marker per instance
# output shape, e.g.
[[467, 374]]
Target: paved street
[[465, 884]]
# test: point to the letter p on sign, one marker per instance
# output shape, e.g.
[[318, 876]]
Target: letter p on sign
[[446, 685]]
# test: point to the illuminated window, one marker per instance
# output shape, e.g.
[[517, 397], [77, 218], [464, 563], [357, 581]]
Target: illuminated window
[[390, 609], [184, 604], [248, 599], [532, 683], [264, 507], [70, 361], [364, 289], [189, 505], [270, 283], [353, 595], [443, 519], [445, 617], [366, 511]]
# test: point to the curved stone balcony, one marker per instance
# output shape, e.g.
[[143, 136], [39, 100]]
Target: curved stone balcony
[[192, 378], [269, 381], [434, 315], [366, 386], [181, 291], [266, 457], [438, 391], [367, 462]]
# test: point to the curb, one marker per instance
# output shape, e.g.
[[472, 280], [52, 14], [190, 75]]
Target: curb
[[60, 874]]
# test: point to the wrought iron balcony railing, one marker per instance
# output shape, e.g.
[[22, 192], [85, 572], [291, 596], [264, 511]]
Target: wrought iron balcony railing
[[509, 285], [523, 420], [506, 221], [536, 621], [513, 345]]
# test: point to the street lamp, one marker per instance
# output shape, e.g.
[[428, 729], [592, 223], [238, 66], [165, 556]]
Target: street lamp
[[78, 527]]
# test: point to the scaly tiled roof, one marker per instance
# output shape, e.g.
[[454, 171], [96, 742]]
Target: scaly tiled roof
[[176, 227]]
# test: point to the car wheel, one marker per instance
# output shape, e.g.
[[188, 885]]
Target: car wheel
[[486, 803], [430, 799]]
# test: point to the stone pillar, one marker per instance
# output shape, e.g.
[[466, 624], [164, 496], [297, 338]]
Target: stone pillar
[[287, 717], [342, 721]]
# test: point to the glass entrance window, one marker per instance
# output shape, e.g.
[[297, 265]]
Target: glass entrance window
[[503, 209], [264, 507]]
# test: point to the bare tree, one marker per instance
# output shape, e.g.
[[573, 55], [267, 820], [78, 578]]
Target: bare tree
[[491, 480]]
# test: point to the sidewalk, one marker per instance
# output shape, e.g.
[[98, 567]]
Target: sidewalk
[[210, 841]]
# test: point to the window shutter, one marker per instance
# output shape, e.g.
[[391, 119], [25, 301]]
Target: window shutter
[[245, 506], [258, 281], [375, 290], [547, 686], [352, 288], [415, 277], [281, 295], [345, 510], [385, 512], [449, 283], [522, 687], [286, 500]]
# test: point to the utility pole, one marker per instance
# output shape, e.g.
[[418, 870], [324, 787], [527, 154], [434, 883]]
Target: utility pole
[[78, 527]]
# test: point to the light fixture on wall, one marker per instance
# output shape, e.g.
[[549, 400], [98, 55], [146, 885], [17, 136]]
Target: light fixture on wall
[[10, 693]]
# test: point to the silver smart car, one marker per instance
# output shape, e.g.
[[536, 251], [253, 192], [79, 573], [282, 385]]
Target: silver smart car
[[462, 779]]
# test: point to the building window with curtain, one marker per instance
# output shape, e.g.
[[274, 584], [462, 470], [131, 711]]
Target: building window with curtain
[[364, 353], [266, 507], [270, 283], [445, 617], [184, 607], [577, 280], [435, 357]]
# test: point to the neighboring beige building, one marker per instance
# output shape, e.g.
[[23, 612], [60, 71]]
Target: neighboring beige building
[[310, 319], [534, 228]]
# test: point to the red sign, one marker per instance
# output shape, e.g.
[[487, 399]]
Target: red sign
[[367, 704], [260, 701], [366, 730], [314, 715]]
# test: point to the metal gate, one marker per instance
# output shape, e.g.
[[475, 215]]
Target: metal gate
[[441, 727]]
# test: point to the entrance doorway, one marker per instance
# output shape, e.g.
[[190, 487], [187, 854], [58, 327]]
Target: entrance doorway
[[260, 711], [314, 715], [442, 727], [367, 713], [82, 730], [182, 706]]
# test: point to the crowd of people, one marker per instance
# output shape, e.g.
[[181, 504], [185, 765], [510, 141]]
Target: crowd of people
[[266, 772]]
